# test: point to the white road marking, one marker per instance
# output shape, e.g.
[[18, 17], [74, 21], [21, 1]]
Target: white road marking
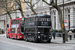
[[18, 45]]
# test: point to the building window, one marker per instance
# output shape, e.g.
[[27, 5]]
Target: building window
[[54, 13], [54, 22], [41, 13], [45, 12], [27, 15], [16, 6], [68, 11], [69, 22]]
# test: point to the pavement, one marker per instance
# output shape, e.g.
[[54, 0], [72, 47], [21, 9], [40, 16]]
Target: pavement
[[4, 35], [57, 40]]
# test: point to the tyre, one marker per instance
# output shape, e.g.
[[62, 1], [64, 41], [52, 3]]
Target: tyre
[[35, 39], [25, 38]]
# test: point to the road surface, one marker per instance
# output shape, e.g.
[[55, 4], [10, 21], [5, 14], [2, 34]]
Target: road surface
[[12, 44]]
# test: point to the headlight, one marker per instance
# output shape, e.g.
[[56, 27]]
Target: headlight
[[20, 36], [38, 32], [50, 37], [38, 36]]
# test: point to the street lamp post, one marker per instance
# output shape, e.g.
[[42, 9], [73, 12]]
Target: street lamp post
[[63, 26]]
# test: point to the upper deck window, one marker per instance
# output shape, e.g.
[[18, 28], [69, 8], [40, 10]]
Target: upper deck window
[[15, 22], [44, 19], [22, 20]]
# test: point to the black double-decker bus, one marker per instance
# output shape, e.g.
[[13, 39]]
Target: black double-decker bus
[[37, 28]]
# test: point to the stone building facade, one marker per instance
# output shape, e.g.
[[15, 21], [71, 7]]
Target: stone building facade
[[69, 14], [4, 18], [42, 8], [69, 9]]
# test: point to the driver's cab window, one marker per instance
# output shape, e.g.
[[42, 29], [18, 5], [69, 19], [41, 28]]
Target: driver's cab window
[[8, 32], [22, 24]]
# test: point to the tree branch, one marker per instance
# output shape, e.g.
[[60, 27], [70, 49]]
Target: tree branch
[[28, 4], [35, 3], [47, 2], [26, 1], [18, 3]]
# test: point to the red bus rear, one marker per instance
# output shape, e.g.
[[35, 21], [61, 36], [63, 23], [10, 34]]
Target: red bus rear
[[17, 28], [8, 33]]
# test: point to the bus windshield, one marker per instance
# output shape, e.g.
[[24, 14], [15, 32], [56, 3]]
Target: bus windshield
[[43, 30]]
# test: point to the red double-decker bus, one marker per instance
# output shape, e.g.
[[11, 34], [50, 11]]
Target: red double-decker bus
[[16, 28]]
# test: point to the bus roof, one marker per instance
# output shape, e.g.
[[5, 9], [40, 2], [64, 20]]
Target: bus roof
[[43, 15], [40, 15], [17, 18]]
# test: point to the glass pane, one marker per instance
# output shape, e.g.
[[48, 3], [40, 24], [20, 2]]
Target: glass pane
[[48, 19], [15, 22], [22, 25], [44, 19], [12, 30], [22, 20], [40, 30]]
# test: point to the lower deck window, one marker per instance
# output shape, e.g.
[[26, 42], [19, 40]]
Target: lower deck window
[[30, 30]]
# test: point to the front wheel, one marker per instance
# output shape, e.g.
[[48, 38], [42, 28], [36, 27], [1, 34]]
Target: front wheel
[[35, 39], [25, 38]]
